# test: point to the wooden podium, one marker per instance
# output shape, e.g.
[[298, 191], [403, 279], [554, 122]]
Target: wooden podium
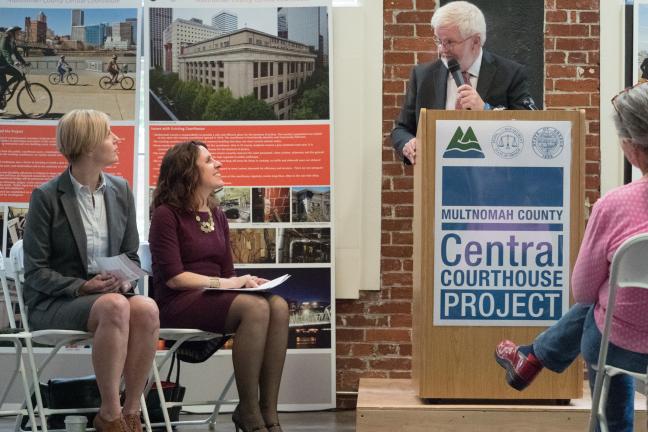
[[457, 362]]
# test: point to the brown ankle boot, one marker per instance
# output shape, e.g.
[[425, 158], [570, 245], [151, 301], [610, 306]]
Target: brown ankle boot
[[102, 425], [133, 422]]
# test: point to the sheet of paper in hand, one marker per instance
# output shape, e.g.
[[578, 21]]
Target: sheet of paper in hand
[[121, 267], [263, 287]]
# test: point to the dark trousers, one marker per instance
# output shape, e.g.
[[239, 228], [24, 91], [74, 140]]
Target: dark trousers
[[11, 71]]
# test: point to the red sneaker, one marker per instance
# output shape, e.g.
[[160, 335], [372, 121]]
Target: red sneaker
[[521, 370]]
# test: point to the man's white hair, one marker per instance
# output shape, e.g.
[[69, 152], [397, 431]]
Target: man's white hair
[[464, 15]]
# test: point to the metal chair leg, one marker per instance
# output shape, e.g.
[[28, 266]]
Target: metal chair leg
[[602, 418], [147, 420], [20, 368], [214, 415], [36, 386], [158, 385]]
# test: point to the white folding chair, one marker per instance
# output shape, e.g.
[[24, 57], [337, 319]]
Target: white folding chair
[[178, 336], [54, 338], [628, 269], [16, 336]]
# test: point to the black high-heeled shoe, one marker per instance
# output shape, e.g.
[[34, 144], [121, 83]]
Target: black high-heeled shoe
[[239, 425], [273, 425]]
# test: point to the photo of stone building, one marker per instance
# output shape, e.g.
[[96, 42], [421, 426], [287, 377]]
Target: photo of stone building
[[265, 64], [181, 33], [311, 204], [250, 62]]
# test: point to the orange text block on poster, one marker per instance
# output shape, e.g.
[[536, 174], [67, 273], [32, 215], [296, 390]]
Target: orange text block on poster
[[254, 155], [29, 158]]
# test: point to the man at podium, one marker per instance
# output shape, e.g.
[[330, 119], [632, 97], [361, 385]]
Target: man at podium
[[480, 80]]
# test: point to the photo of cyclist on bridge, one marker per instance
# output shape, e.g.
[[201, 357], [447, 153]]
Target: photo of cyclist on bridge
[[57, 60]]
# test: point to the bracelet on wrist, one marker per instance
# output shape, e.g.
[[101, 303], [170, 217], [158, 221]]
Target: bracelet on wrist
[[214, 282]]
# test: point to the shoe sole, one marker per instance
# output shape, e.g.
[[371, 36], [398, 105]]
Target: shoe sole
[[512, 379]]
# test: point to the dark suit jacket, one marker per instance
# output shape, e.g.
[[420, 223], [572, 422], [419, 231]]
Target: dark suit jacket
[[55, 244], [501, 82]]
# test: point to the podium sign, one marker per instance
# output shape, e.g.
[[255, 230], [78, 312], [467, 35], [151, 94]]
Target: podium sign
[[498, 219], [501, 220]]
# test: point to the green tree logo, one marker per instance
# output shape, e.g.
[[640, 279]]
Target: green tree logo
[[464, 145]]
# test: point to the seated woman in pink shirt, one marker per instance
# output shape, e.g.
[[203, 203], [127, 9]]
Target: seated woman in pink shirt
[[619, 215]]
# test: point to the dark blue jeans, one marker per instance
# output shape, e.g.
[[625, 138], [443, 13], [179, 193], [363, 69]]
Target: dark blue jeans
[[576, 332], [558, 346]]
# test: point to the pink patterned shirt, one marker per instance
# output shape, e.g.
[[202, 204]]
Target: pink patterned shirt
[[620, 214]]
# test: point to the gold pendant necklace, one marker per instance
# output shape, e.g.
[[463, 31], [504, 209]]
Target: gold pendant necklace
[[206, 226]]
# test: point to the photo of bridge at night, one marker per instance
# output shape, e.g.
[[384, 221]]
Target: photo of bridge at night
[[308, 294], [310, 325]]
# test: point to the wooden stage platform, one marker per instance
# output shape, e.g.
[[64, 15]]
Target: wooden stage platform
[[390, 405]]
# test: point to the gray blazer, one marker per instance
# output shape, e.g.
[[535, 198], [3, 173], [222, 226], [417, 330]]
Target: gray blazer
[[501, 82], [55, 243]]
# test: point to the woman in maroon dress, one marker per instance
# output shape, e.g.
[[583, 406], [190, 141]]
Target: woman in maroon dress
[[190, 247]]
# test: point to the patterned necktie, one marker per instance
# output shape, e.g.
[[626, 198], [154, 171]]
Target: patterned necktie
[[466, 78]]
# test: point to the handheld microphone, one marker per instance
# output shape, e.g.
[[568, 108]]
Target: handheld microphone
[[455, 70]]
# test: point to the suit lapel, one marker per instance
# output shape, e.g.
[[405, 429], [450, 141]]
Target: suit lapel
[[440, 86], [111, 216], [434, 87], [71, 208], [486, 75]]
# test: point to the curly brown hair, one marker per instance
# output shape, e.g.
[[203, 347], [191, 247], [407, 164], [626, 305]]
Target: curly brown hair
[[179, 177]]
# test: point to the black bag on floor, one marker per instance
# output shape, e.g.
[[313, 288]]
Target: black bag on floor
[[65, 393], [173, 392], [81, 392]]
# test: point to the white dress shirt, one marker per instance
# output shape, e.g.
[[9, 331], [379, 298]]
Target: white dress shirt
[[473, 71], [92, 208]]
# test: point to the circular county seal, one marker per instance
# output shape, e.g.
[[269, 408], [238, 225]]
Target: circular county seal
[[547, 142], [507, 142]]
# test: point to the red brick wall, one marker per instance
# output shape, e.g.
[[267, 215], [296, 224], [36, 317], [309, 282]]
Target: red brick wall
[[374, 332], [572, 59]]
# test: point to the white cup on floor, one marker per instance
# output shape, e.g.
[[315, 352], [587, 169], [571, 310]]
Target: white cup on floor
[[75, 423]]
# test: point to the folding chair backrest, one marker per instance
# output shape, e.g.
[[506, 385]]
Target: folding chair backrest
[[144, 253], [628, 269], [630, 263], [17, 263], [6, 295]]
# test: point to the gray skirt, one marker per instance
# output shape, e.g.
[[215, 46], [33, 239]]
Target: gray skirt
[[64, 314]]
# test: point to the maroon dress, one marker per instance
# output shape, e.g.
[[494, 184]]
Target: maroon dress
[[178, 245]]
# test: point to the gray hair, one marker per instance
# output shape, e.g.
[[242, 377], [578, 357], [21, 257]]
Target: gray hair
[[631, 115], [464, 15]]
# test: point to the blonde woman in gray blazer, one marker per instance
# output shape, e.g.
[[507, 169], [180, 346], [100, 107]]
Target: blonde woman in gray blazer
[[78, 216]]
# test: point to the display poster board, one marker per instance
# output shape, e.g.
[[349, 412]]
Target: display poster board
[[502, 222], [639, 59], [251, 80], [640, 41], [68, 47]]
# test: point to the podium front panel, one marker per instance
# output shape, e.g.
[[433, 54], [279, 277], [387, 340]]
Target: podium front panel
[[498, 218]]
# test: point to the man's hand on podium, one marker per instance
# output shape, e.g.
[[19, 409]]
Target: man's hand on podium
[[409, 150]]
